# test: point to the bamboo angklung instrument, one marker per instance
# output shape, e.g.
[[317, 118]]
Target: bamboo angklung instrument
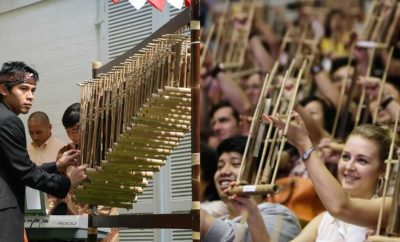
[[260, 162], [231, 42], [380, 24], [299, 43], [393, 227], [132, 118]]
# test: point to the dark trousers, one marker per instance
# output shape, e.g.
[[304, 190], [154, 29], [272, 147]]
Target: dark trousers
[[11, 225]]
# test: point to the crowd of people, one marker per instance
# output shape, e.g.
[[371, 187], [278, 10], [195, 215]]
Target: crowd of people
[[343, 159]]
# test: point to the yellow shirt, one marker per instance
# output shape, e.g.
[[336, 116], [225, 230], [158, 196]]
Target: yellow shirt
[[47, 152], [333, 48]]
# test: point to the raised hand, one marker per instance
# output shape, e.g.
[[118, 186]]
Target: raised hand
[[68, 158], [77, 175], [297, 133]]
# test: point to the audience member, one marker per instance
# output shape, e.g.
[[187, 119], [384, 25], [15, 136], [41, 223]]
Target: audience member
[[275, 218]]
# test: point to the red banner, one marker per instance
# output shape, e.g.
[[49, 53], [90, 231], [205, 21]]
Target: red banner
[[159, 4]]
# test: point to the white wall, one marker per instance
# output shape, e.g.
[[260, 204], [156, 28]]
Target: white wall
[[60, 39]]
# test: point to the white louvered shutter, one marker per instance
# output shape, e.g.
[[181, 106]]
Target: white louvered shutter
[[127, 26]]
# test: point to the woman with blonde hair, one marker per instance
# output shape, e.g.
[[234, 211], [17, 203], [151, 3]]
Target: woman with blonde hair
[[352, 201]]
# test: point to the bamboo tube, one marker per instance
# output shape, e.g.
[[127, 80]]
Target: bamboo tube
[[175, 91], [143, 130], [167, 115], [278, 103], [361, 103], [248, 157], [137, 158], [150, 122], [378, 26], [252, 189], [387, 174], [206, 44], [289, 113], [115, 176], [129, 145], [377, 238], [146, 174], [121, 154], [116, 183], [163, 119], [368, 21], [337, 147], [129, 189], [109, 190], [163, 110], [342, 94], [393, 25], [131, 140], [382, 85], [129, 167], [172, 99], [140, 149]]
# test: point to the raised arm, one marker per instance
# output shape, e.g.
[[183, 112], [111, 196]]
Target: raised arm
[[362, 212], [233, 93], [248, 208]]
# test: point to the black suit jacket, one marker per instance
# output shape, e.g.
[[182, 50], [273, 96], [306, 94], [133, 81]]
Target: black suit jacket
[[18, 171]]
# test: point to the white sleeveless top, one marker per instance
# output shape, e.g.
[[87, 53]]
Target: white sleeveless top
[[333, 230]]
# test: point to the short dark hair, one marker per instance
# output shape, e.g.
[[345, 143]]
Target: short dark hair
[[341, 62], [233, 144], [15, 72], [208, 167], [224, 104], [39, 115], [329, 112], [327, 25], [71, 115]]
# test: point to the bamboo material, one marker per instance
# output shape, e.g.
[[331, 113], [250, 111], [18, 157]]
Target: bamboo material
[[253, 189], [364, 101], [336, 147], [300, 43], [256, 167], [231, 42], [377, 238], [393, 228], [380, 24], [132, 118], [340, 109], [382, 85]]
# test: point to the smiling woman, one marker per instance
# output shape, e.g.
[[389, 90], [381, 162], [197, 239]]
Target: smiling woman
[[361, 167], [352, 204]]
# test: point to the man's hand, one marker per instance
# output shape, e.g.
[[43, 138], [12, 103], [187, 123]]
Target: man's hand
[[77, 175], [67, 159]]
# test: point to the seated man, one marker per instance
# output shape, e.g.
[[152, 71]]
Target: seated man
[[278, 220]]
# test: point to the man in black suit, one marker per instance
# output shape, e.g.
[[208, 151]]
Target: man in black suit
[[17, 88]]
